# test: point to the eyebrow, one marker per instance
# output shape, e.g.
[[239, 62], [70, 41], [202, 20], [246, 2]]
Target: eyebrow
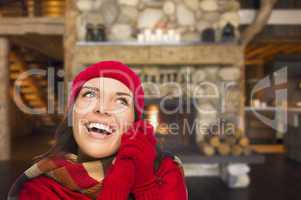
[[91, 88], [117, 93], [123, 94]]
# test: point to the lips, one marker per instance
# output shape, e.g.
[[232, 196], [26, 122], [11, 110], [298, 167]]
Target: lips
[[99, 130]]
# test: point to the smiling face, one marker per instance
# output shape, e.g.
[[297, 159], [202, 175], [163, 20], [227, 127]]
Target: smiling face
[[103, 111]]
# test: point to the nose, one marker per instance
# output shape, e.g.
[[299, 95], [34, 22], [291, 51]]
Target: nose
[[104, 112], [102, 107]]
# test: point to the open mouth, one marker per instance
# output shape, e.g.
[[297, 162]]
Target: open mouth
[[99, 128]]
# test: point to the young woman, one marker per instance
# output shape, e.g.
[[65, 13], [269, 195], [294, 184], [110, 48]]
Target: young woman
[[109, 152]]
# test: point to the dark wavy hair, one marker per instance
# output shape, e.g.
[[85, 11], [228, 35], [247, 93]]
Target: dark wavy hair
[[63, 136]]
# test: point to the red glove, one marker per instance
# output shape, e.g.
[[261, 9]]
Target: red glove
[[139, 145], [119, 181]]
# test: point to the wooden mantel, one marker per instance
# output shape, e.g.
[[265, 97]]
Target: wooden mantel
[[37, 25], [178, 54]]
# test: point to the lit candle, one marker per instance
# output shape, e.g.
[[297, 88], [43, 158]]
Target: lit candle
[[165, 38], [159, 34], [147, 35], [141, 38], [153, 37], [171, 32], [177, 37], [171, 35], [147, 32], [256, 103]]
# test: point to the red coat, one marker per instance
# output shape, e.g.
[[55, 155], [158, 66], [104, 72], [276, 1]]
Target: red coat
[[172, 186]]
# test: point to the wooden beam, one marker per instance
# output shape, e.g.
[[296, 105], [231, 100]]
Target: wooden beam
[[296, 49], [259, 51], [278, 16], [269, 149], [50, 46], [260, 21], [5, 132], [25, 25], [254, 62], [159, 54], [266, 51], [276, 49], [70, 39]]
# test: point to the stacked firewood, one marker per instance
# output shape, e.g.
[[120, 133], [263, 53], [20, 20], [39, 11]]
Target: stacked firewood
[[229, 145]]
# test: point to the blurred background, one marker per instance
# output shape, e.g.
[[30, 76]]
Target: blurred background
[[232, 116]]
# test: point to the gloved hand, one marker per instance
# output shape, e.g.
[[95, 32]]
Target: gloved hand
[[118, 181], [139, 145]]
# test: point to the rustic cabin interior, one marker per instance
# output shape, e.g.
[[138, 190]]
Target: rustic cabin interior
[[238, 60]]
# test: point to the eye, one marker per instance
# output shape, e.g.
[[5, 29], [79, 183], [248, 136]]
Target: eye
[[89, 94], [123, 101]]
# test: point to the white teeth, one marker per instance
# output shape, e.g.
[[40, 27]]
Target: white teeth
[[100, 126]]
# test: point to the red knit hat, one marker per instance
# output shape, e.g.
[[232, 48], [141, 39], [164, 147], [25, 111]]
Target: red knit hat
[[115, 70]]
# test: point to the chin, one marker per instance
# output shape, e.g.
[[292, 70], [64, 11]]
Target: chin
[[99, 155], [98, 152], [97, 148]]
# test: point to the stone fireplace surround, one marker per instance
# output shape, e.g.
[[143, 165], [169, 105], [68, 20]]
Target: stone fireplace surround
[[189, 18], [213, 71], [212, 62]]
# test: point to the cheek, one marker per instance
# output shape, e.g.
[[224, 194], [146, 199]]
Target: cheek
[[125, 120], [83, 107], [76, 118]]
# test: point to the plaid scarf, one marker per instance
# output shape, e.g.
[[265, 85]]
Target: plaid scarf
[[84, 177]]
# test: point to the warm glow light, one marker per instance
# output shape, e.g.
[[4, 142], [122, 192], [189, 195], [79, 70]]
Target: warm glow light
[[51, 142], [53, 8], [153, 115], [54, 3]]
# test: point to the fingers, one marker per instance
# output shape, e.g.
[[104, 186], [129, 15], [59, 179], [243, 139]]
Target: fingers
[[148, 136], [142, 126], [137, 150], [139, 142]]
